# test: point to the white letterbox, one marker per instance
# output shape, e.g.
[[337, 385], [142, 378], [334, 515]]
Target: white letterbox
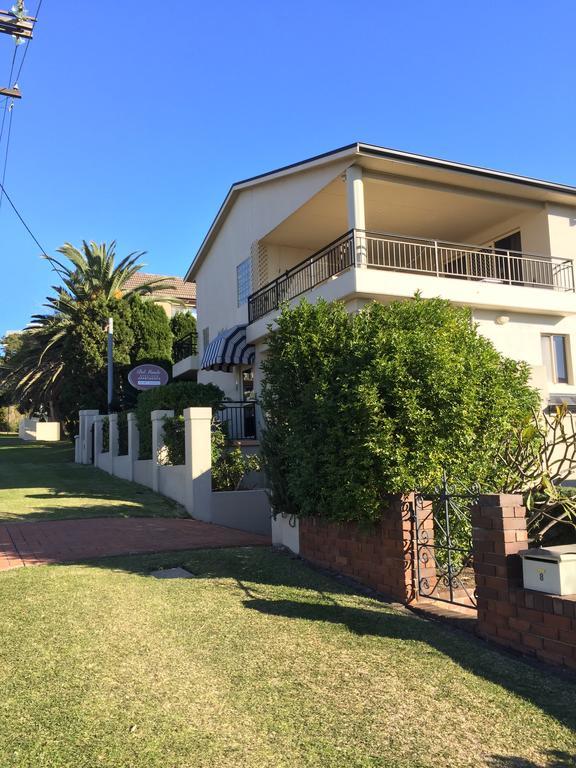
[[551, 569]]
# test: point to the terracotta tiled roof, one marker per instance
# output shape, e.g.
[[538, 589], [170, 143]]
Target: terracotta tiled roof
[[178, 288]]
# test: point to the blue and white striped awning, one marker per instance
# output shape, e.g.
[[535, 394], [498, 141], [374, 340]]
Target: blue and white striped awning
[[228, 349]]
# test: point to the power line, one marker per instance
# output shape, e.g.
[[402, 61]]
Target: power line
[[28, 43], [9, 85], [9, 106], [17, 212], [11, 110]]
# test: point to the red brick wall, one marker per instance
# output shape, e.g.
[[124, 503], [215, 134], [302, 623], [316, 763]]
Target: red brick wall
[[381, 556], [531, 622]]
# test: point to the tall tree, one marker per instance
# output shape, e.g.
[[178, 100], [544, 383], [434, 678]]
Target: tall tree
[[62, 355]]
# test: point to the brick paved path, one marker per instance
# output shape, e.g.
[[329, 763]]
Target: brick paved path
[[60, 541]]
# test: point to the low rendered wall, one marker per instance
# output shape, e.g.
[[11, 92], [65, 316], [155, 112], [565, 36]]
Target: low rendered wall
[[534, 623], [245, 510], [143, 472], [123, 467], [171, 483], [104, 461], [31, 429], [286, 532]]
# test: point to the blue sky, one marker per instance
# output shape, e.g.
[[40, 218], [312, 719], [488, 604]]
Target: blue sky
[[137, 116]]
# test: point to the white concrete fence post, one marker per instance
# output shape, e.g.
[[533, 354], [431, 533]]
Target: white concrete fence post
[[98, 437], [85, 434], [158, 444], [198, 447], [113, 438], [133, 443]]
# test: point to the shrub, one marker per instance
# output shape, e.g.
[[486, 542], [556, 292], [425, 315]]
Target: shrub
[[123, 433], [152, 332], [176, 397], [105, 435], [174, 440], [362, 405], [229, 465], [181, 325]]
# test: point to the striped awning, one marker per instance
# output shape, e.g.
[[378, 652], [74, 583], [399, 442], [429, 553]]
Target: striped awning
[[228, 349]]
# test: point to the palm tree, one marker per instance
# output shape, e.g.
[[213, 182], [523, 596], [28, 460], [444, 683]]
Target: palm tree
[[36, 374], [94, 274]]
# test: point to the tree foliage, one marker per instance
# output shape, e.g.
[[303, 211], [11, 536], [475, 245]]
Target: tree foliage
[[60, 359], [172, 397], [153, 336], [362, 405], [540, 457], [182, 324]]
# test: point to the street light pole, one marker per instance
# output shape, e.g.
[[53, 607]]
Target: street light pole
[[110, 362]]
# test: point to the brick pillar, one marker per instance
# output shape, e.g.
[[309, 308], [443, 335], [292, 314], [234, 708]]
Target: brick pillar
[[498, 534]]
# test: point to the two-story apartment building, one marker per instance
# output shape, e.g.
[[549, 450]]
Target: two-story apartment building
[[365, 223]]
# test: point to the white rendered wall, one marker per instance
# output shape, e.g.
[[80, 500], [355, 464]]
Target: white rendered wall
[[562, 227], [254, 214]]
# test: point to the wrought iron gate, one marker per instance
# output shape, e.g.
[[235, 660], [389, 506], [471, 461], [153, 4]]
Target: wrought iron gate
[[443, 545]]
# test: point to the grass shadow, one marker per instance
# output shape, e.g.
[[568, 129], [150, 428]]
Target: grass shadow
[[546, 691], [318, 599], [555, 759]]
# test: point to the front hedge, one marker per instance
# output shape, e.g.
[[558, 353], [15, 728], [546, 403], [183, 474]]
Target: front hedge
[[172, 397], [362, 405]]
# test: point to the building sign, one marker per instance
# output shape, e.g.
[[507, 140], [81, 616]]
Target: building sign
[[147, 375]]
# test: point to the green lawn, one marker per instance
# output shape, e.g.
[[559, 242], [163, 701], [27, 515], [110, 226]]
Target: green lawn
[[256, 662], [39, 481]]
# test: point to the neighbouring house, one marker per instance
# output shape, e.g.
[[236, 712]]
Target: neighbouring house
[[365, 223], [177, 295]]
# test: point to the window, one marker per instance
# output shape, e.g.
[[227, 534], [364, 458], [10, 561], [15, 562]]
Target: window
[[205, 338], [244, 281], [555, 358]]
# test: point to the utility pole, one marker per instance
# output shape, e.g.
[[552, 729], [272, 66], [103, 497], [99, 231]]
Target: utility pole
[[17, 23], [110, 363]]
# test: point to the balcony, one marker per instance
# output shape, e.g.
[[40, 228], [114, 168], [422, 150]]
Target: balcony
[[381, 251], [186, 361]]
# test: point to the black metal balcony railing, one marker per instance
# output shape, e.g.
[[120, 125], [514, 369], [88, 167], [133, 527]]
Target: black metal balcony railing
[[331, 260], [398, 254], [238, 419], [184, 347]]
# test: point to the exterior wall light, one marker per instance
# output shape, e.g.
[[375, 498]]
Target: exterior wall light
[[502, 320]]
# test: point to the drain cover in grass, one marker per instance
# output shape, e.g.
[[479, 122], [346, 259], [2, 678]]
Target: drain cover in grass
[[172, 573]]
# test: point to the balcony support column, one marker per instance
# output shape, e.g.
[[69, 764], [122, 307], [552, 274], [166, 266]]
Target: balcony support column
[[356, 212]]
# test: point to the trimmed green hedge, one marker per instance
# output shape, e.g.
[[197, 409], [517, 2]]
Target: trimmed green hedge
[[361, 405], [174, 397]]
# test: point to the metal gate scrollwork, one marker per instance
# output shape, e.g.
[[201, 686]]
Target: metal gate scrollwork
[[443, 545]]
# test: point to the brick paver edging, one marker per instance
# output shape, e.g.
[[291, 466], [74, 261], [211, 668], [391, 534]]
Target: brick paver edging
[[62, 541]]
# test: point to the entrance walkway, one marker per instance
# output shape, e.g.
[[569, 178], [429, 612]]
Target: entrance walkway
[[61, 541]]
